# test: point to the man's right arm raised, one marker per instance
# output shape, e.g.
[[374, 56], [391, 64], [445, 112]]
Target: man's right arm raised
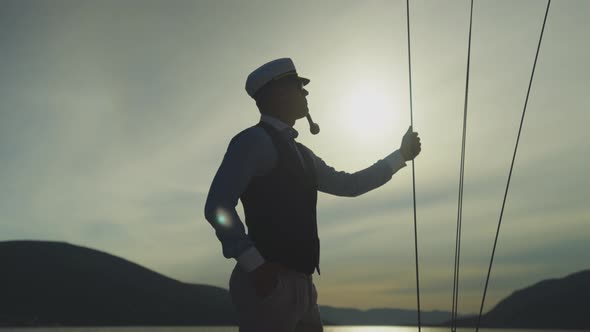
[[249, 154]]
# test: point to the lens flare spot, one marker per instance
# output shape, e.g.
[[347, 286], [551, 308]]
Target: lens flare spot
[[222, 217]]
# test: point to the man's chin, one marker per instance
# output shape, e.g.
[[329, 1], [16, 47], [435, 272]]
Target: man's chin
[[300, 112], [305, 111]]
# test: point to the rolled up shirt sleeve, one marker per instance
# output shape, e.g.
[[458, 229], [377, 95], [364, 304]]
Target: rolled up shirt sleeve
[[341, 183], [249, 154]]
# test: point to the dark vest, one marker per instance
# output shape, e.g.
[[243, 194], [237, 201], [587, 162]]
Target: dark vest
[[280, 208]]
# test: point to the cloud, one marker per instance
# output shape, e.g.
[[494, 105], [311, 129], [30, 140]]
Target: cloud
[[114, 118]]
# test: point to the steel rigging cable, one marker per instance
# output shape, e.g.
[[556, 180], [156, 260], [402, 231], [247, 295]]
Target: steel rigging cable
[[511, 167], [413, 171], [461, 181]]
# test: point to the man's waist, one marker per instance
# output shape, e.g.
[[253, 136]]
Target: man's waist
[[293, 272], [303, 264], [289, 271]]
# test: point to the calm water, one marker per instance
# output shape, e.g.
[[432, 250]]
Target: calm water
[[235, 329]]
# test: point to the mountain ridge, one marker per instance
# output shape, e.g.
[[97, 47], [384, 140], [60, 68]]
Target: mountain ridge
[[46, 283], [560, 303], [97, 288]]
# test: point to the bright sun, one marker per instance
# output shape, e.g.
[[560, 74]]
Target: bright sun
[[370, 112]]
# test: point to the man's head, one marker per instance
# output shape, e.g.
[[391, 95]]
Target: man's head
[[278, 90]]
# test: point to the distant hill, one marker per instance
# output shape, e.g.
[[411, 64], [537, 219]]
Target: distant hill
[[382, 316], [550, 304], [54, 283], [51, 283]]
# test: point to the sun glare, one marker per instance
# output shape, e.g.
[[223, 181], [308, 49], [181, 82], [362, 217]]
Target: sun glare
[[369, 112]]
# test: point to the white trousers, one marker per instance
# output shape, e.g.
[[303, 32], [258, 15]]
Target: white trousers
[[290, 307]]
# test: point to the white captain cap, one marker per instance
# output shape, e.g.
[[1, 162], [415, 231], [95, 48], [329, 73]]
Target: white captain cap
[[271, 71]]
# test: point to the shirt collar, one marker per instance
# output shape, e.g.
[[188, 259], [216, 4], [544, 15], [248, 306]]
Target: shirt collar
[[279, 125]]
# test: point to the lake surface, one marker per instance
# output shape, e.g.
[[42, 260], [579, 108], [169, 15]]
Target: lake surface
[[235, 329]]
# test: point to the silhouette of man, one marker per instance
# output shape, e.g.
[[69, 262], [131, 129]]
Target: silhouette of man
[[277, 180]]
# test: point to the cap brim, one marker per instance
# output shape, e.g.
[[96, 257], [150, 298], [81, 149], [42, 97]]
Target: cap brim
[[304, 80]]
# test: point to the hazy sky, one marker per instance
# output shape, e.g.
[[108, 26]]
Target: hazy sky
[[114, 116]]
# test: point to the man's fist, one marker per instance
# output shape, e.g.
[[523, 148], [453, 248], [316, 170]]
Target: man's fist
[[411, 145]]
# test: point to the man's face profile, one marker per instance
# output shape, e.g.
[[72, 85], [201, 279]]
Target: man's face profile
[[291, 95]]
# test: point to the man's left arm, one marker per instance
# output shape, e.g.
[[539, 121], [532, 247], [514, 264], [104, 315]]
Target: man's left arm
[[341, 183]]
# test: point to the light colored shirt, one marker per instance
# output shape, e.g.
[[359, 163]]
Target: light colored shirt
[[253, 154]]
